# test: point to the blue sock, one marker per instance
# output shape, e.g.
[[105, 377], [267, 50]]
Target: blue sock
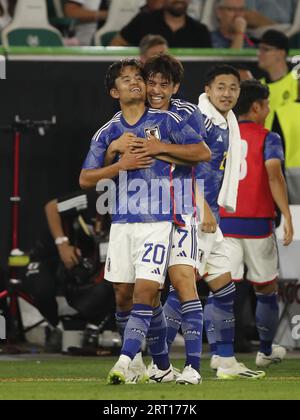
[[223, 317], [209, 325], [172, 310], [136, 329], [192, 328], [267, 317], [121, 321], [157, 339]]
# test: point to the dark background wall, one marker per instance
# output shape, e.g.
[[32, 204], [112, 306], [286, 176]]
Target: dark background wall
[[50, 165]]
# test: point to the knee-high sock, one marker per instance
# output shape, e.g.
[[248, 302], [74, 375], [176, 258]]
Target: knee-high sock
[[209, 324], [192, 328], [224, 321], [157, 339], [121, 321], [267, 318], [136, 330], [172, 310]]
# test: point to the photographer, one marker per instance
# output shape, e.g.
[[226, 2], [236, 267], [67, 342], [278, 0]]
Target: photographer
[[69, 262]]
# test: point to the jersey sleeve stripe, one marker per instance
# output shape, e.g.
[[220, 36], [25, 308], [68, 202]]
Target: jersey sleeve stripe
[[115, 119], [175, 116]]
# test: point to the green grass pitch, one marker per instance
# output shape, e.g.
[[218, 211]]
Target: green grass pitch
[[85, 379]]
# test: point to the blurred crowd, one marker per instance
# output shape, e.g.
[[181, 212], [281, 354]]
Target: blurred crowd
[[183, 23]]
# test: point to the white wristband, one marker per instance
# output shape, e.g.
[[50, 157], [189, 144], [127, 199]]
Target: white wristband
[[61, 240]]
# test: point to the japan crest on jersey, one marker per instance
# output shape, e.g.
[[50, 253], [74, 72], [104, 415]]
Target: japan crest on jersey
[[153, 131]]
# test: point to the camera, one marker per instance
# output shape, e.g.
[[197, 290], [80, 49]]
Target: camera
[[83, 272]]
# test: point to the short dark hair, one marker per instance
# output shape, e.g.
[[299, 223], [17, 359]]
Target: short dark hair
[[170, 68], [220, 71], [115, 71], [251, 91], [150, 41], [276, 39]]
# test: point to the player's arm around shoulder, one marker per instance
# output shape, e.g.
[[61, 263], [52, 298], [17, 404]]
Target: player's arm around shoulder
[[189, 146], [187, 143], [191, 154], [181, 154], [100, 165]]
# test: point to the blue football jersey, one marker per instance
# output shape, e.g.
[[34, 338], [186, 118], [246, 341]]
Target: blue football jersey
[[142, 196], [212, 173], [192, 116]]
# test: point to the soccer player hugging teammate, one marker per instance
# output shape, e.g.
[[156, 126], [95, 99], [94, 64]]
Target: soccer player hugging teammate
[[142, 229], [222, 91], [249, 232], [163, 75], [221, 178]]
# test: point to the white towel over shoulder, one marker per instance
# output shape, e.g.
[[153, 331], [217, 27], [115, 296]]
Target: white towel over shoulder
[[229, 191]]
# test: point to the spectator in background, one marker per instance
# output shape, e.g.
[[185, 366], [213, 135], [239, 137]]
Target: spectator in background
[[273, 53], [89, 13], [171, 22], [152, 45], [231, 32], [152, 5], [195, 9], [7, 8], [270, 12], [287, 125], [245, 72]]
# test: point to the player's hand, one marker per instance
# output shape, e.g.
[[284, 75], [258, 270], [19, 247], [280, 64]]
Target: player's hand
[[69, 255], [209, 224], [130, 162], [122, 145], [151, 146], [240, 25], [288, 231]]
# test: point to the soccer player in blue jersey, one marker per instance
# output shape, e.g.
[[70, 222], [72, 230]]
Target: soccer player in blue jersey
[[160, 88], [142, 227], [222, 93], [163, 75]]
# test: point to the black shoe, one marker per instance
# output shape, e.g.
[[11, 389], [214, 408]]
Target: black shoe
[[243, 346]]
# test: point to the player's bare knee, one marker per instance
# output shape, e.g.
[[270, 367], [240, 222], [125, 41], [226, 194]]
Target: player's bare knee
[[145, 292], [183, 280], [220, 282], [124, 296]]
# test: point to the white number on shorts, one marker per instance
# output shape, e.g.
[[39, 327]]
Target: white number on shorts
[[184, 234], [154, 254], [244, 165]]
